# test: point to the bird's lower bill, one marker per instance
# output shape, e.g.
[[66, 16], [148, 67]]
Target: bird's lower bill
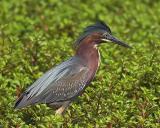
[[115, 40]]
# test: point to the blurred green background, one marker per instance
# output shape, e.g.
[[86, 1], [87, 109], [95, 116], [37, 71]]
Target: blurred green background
[[36, 35]]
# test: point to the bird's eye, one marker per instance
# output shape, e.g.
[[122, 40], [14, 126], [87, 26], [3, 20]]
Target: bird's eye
[[105, 35]]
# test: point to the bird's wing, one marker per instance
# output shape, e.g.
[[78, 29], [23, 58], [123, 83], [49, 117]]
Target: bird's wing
[[58, 84]]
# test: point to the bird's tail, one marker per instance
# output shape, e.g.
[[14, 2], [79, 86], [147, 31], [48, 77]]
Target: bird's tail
[[23, 101]]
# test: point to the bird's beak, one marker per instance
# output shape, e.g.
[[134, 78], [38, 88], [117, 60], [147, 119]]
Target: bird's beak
[[115, 40]]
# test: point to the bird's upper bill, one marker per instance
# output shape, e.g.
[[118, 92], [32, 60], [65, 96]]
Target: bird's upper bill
[[105, 34]]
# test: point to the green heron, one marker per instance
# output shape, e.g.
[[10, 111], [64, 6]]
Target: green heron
[[62, 84]]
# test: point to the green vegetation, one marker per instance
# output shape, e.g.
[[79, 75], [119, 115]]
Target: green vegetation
[[36, 35]]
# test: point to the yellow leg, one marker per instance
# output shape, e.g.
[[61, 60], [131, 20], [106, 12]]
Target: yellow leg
[[60, 110]]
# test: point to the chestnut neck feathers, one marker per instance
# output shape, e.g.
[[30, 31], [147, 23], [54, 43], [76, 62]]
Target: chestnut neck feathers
[[88, 51]]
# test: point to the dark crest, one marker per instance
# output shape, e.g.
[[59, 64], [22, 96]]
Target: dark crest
[[100, 26]]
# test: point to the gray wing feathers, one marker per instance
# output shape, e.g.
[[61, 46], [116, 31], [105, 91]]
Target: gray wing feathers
[[60, 83], [66, 87]]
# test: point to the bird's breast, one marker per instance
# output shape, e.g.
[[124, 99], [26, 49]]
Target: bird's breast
[[93, 64], [92, 60], [89, 53]]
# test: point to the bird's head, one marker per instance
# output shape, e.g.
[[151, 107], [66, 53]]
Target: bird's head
[[99, 33]]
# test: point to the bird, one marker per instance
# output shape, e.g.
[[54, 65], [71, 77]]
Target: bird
[[62, 84]]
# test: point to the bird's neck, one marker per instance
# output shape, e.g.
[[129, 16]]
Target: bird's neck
[[90, 54]]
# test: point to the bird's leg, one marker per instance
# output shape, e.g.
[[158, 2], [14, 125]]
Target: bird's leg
[[61, 110]]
